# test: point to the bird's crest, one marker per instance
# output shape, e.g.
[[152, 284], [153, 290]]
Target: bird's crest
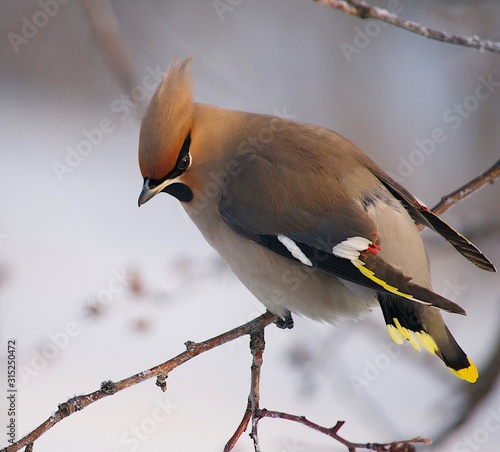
[[167, 121]]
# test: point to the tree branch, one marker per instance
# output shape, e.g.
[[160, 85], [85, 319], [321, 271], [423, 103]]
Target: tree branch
[[241, 428], [332, 432], [257, 345], [489, 176], [364, 10], [109, 388]]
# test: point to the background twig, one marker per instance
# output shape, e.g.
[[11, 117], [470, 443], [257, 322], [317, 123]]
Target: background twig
[[107, 34], [489, 176], [364, 10]]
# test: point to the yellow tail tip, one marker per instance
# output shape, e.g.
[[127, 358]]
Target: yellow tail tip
[[469, 374]]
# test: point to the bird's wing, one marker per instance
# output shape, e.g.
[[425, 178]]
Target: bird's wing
[[266, 204], [422, 214]]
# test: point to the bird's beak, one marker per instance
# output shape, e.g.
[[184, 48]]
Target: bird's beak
[[148, 192]]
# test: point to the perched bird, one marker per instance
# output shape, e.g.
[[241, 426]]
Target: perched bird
[[306, 221]]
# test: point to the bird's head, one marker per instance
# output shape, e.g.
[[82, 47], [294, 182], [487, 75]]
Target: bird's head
[[165, 137]]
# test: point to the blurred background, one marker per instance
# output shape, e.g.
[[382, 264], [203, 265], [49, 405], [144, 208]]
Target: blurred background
[[93, 288]]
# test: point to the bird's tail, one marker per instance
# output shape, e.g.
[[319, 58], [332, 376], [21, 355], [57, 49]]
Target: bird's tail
[[424, 327]]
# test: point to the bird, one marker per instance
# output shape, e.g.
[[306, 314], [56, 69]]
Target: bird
[[304, 219]]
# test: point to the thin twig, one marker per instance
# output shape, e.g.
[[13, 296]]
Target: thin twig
[[241, 428], [332, 432], [109, 388], [489, 176], [364, 10]]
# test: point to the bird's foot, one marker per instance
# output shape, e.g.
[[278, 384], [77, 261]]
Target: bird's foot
[[285, 322]]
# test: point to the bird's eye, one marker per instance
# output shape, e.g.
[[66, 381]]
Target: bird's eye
[[183, 163]]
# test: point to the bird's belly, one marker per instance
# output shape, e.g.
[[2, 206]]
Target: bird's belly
[[282, 284]]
